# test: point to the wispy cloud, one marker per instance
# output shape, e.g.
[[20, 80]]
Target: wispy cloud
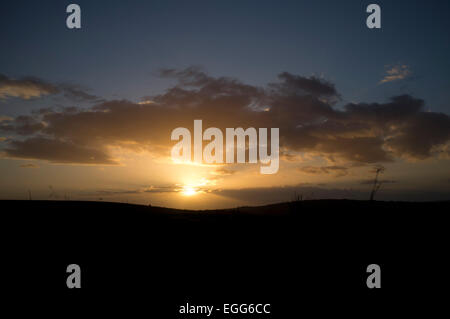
[[396, 72], [25, 88], [145, 102], [147, 189], [337, 171], [29, 165], [32, 87], [5, 118]]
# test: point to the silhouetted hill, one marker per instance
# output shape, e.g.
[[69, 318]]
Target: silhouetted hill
[[280, 253], [275, 210]]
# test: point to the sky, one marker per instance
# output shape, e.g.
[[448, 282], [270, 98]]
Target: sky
[[87, 114]]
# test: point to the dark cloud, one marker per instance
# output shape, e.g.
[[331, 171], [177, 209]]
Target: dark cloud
[[77, 93], [337, 171], [191, 76], [295, 84], [301, 107], [397, 109], [417, 136], [22, 125], [56, 151]]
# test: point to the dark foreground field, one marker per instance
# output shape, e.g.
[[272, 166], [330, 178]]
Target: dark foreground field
[[298, 256]]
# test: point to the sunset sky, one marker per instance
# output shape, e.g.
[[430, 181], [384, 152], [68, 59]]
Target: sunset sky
[[87, 114]]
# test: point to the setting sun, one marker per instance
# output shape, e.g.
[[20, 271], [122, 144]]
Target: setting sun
[[188, 191]]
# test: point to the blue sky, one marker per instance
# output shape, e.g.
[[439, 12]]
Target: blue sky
[[123, 43]]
